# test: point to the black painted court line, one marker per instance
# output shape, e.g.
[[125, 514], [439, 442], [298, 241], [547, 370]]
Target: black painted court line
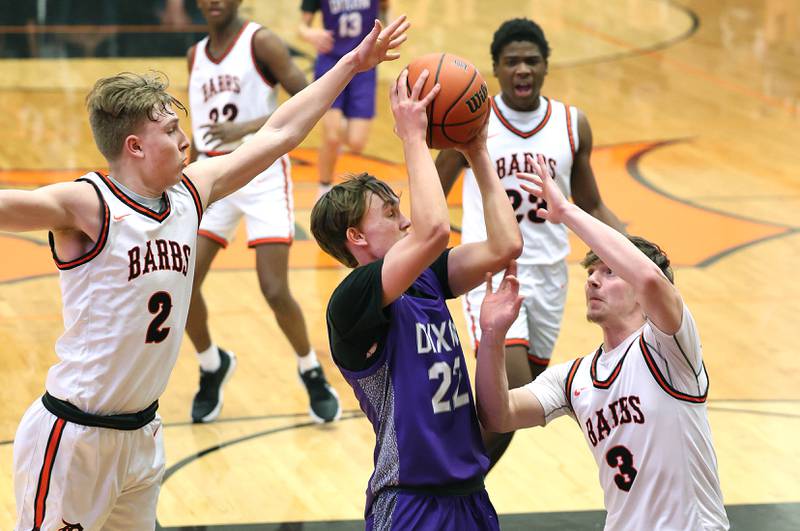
[[757, 517]]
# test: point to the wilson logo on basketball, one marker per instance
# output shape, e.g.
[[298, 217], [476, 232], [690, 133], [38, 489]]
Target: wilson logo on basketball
[[477, 100]]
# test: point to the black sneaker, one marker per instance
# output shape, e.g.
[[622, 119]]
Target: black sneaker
[[324, 400], [207, 402]]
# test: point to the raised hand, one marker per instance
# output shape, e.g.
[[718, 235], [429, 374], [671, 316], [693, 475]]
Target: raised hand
[[501, 307], [378, 45], [409, 110], [543, 186]]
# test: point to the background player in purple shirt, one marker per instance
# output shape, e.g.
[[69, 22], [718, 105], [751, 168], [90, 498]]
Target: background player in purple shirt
[[392, 335], [347, 123]]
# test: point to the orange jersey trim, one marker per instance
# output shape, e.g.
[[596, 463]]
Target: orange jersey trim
[[568, 382], [569, 130], [211, 236], [136, 206], [263, 241], [228, 50], [662, 382], [43, 487], [198, 204], [98, 245], [523, 134]]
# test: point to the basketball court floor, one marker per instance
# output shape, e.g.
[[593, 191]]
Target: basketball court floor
[[695, 109]]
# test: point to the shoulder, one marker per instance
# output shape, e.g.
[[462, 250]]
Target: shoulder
[[356, 284]]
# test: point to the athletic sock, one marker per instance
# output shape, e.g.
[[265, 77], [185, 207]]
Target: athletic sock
[[307, 362], [209, 358]]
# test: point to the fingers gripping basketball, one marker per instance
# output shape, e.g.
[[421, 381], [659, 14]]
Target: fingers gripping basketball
[[459, 110]]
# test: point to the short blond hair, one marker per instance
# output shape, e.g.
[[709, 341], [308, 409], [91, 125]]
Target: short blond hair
[[118, 104]]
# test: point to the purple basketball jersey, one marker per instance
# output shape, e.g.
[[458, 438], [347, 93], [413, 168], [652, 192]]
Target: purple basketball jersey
[[349, 20], [418, 398]]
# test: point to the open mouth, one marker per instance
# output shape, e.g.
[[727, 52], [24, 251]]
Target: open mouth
[[523, 90]]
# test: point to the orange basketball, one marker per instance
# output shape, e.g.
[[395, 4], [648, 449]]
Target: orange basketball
[[458, 112]]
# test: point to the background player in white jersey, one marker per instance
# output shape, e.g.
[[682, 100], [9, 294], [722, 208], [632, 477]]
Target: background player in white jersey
[[640, 398], [89, 454], [523, 124], [232, 73]]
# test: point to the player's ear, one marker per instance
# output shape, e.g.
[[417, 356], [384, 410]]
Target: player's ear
[[132, 145], [355, 236]]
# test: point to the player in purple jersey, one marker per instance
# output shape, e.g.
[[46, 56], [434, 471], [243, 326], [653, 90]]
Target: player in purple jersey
[[392, 335], [348, 121]]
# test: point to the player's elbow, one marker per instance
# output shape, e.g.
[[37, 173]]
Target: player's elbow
[[438, 235]]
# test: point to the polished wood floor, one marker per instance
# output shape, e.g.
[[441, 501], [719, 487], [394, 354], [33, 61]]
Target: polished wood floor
[[695, 108]]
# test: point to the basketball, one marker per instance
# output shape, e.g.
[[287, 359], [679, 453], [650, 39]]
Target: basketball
[[458, 112]]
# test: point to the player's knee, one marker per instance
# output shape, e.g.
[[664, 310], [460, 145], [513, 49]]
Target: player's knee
[[357, 145], [276, 295]]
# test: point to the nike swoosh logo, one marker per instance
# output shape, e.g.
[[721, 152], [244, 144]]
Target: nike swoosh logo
[[579, 391], [120, 217]]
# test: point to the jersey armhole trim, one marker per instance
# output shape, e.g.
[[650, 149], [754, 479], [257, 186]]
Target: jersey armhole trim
[[198, 204], [662, 382], [573, 370], [569, 130], [98, 245]]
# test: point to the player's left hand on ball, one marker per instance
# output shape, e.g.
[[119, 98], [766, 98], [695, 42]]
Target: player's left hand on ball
[[379, 45], [409, 110]]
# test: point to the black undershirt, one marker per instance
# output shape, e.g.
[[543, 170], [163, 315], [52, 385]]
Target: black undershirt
[[356, 318]]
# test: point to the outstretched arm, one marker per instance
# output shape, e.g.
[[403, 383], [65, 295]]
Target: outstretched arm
[[468, 263], [660, 299], [499, 409], [290, 123]]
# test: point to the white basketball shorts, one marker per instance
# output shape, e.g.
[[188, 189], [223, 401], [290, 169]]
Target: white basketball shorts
[[68, 475], [265, 202], [544, 292]]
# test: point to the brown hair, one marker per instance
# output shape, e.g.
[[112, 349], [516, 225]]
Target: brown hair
[[650, 249], [342, 207], [118, 104]]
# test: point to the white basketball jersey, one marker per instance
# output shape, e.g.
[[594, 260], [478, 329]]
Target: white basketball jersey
[[514, 140], [228, 88], [125, 302], [642, 410]]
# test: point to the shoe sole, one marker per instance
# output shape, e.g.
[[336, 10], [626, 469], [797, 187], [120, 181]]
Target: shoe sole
[[214, 414], [316, 418]]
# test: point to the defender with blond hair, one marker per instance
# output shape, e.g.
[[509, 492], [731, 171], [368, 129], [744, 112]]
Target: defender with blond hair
[[89, 453]]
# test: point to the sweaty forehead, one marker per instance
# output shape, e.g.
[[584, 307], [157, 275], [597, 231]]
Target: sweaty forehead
[[520, 49]]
